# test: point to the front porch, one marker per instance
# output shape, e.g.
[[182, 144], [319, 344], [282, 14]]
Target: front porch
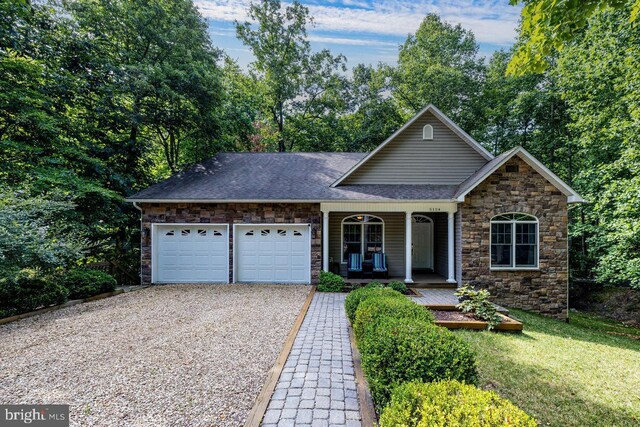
[[420, 280], [417, 239]]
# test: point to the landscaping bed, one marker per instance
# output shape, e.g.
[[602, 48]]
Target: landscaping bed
[[165, 355], [457, 320]]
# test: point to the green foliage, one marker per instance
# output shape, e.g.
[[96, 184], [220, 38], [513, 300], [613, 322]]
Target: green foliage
[[83, 283], [374, 309], [330, 282], [450, 403], [439, 64], [398, 286], [599, 80], [374, 285], [38, 231], [547, 25], [27, 289], [478, 304], [301, 90], [396, 351], [356, 297]]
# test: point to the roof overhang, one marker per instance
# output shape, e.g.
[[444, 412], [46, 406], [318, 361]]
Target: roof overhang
[[388, 201], [440, 116], [572, 195]]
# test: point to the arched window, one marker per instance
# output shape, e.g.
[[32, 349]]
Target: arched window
[[514, 241], [427, 132], [362, 234]]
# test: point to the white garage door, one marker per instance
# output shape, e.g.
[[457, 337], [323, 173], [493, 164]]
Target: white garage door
[[273, 254], [196, 253]]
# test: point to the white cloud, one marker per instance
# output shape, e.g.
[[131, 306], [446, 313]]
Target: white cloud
[[349, 41], [492, 21]]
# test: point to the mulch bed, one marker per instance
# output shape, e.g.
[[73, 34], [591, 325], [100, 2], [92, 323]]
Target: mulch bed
[[458, 320]]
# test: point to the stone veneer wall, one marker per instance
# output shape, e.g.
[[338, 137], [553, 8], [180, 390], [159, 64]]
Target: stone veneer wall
[[232, 213], [544, 290]]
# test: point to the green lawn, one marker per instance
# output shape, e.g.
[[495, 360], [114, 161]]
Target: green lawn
[[584, 373]]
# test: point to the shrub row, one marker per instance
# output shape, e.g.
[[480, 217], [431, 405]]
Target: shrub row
[[425, 371], [28, 289]]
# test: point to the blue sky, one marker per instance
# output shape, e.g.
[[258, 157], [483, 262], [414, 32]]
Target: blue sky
[[370, 31]]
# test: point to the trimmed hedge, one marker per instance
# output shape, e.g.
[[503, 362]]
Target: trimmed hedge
[[355, 298], [84, 283], [397, 350], [450, 404], [399, 286], [330, 282], [25, 290], [372, 310]]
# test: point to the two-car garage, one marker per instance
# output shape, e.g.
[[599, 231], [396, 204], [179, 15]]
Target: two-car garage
[[262, 253]]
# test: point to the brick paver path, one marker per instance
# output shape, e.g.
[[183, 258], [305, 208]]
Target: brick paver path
[[317, 386]]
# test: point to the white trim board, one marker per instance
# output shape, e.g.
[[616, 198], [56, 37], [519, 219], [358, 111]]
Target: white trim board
[[440, 116], [572, 195]]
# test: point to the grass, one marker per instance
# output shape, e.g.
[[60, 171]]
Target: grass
[[582, 373]]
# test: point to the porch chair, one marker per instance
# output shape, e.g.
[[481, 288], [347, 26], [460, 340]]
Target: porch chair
[[379, 264], [354, 264]]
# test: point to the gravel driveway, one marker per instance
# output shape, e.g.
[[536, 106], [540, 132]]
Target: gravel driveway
[[161, 356]]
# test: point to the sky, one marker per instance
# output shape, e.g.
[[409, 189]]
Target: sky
[[370, 31]]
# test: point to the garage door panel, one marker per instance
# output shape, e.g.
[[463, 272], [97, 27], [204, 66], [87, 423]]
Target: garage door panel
[[186, 253], [282, 254]]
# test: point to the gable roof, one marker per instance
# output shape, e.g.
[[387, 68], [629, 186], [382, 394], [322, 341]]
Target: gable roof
[[488, 169], [284, 177], [440, 116]]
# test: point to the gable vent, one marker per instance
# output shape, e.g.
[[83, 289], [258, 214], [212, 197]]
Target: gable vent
[[513, 168], [427, 132]]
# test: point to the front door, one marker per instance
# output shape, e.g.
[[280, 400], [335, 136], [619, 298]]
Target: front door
[[422, 240]]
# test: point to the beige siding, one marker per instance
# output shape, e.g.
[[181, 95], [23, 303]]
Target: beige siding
[[393, 238], [409, 159]]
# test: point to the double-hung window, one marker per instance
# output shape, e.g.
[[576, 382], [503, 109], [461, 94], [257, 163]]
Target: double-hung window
[[514, 241]]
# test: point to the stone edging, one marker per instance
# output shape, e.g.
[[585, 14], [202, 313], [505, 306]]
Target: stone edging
[[261, 403], [65, 305], [367, 409]]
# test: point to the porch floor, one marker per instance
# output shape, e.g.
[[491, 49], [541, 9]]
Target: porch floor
[[420, 280]]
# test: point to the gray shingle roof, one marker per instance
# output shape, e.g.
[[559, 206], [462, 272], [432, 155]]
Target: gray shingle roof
[[281, 176]]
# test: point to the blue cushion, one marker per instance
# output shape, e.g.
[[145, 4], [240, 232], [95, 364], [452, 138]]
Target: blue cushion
[[379, 262], [355, 262]]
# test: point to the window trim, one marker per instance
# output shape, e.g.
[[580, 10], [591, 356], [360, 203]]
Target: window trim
[[533, 220], [362, 232]]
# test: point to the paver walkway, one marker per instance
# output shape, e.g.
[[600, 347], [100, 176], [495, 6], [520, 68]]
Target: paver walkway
[[317, 386]]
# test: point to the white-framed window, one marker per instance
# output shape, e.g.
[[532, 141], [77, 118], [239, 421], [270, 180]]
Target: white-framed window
[[514, 241], [427, 132], [362, 234]]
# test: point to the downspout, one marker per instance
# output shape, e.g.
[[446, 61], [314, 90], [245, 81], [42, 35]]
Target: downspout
[[135, 205]]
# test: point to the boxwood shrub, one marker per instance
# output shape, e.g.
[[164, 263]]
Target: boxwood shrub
[[396, 351], [399, 286], [372, 310], [355, 298], [27, 289], [330, 282], [84, 283], [450, 404]]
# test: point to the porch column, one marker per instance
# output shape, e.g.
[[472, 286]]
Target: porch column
[[407, 251], [325, 240], [452, 263]]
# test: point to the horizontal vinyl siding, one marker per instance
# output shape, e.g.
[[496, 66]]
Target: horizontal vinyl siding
[[393, 238], [409, 159]]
